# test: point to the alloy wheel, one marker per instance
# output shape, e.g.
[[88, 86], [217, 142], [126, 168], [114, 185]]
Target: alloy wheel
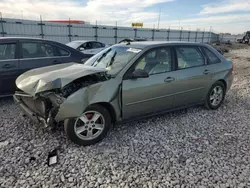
[[216, 95], [90, 125]]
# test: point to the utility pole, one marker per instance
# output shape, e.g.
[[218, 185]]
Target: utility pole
[[159, 19]]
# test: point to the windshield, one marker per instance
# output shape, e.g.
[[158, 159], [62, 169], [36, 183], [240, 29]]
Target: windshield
[[74, 44], [113, 59]]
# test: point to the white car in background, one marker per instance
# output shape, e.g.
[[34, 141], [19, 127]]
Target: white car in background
[[87, 47]]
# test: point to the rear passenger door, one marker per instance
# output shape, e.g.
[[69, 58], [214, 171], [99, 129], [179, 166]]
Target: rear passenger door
[[214, 65], [8, 66], [191, 76], [35, 54]]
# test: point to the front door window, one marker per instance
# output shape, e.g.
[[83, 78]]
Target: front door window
[[7, 51], [156, 61]]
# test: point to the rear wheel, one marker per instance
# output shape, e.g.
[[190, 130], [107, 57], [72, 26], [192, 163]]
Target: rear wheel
[[89, 128], [215, 96]]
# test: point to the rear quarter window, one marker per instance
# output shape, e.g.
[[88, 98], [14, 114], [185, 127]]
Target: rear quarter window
[[211, 57]]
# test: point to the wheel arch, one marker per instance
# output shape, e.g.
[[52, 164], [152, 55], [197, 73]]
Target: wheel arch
[[224, 83], [110, 109]]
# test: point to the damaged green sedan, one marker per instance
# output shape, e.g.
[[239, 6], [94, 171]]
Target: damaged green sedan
[[123, 82]]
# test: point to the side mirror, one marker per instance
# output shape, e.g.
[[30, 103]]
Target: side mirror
[[139, 73], [82, 49]]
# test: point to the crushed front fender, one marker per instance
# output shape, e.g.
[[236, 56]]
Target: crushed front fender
[[104, 92]]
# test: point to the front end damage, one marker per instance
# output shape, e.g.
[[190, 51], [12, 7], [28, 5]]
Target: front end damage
[[50, 107], [39, 109]]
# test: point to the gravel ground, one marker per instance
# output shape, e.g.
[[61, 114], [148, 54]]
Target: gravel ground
[[187, 148]]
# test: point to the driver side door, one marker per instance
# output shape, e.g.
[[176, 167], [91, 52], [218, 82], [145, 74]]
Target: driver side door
[[142, 96]]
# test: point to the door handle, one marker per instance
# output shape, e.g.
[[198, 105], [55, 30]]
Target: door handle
[[8, 66], [206, 71], [169, 79]]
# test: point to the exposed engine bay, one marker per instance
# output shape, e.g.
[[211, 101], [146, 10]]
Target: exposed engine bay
[[83, 82]]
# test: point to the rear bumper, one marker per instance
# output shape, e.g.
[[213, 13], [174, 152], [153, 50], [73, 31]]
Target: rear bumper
[[31, 114]]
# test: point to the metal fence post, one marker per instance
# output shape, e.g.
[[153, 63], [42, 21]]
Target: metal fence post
[[210, 36], [168, 34], [135, 29], [2, 32], [115, 32], [41, 24], [153, 34], [188, 36], [69, 26], [196, 36], [180, 34], [96, 31]]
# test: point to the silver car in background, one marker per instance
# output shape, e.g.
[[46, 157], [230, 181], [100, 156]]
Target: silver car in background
[[87, 47]]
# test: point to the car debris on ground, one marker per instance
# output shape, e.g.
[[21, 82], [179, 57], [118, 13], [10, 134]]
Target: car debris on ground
[[52, 158]]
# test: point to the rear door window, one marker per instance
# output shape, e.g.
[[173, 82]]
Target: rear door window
[[189, 56], [212, 58]]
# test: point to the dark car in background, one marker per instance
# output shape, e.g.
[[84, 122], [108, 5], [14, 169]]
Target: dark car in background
[[19, 54]]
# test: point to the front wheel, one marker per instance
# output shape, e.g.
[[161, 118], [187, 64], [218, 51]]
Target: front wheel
[[215, 96], [89, 128]]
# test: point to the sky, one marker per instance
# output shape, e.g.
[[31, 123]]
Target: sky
[[227, 16]]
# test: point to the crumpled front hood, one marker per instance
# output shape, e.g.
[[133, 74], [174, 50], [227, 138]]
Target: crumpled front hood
[[53, 77]]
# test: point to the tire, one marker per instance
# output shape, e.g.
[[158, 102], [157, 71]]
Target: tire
[[95, 121], [210, 102]]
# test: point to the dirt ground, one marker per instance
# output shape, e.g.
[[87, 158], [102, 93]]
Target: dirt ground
[[240, 56], [225, 48]]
